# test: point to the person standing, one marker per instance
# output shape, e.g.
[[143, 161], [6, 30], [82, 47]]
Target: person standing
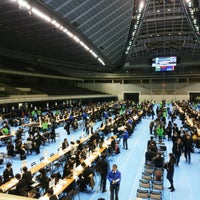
[[177, 150], [27, 176], [151, 126], [125, 138], [102, 167], [114, 177], [160, 132], [187, 148], [169, 166]]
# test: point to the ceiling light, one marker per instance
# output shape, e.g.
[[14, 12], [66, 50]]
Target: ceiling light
[[141, 6], [92, 52], [40, 14], [24, 4], [101, 61], [70, 34], [84, 45], [61, 28], [76, 39]]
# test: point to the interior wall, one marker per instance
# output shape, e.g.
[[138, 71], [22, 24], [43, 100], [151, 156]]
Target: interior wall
[[155, 92]]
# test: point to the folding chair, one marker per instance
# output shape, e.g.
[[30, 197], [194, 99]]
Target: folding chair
[[157, 185], [41, 159], [33, 164], [163, 149], [146, 176], [144, 184], [149, 171], [144, 194], [155, 195]]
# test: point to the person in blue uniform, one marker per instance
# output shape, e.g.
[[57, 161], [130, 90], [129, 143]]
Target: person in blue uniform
[[125, 138], [114, 177]]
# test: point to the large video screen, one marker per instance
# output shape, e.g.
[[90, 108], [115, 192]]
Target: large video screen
[[164, 68], [164, 61], [164, 64]]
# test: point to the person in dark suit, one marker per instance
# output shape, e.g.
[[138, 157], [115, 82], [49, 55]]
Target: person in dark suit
[[43, 179], [67, 171], [8, 173], [169, 166], [177, 150], [187, 148], [27, 176], [10, 149], [65, 144], [51, 194], [67, 126], [86, 177], [20, 188], [158, 160], [102, 167]]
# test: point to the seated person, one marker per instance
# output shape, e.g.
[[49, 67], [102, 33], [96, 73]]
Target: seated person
[[33, 194], [152, 147], [22, 153], [10, 149], [6, 130], [92, 145], [151, 142], [20, 188], [158, 160], [8, 173], [19, 133], [1, 158], [28, 145], [51, 195], [101, 142], [149, 155], [67, 171], [86, 178], [75, 124], [43, 179]]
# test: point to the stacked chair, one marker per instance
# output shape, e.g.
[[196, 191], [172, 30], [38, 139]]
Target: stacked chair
[[151, 183]]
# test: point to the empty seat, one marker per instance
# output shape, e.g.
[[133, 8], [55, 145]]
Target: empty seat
[[41, 159], [155, 195], [157, 185], [144, 184], [149, 171], [33, 164], [144, 194], [146, 176]]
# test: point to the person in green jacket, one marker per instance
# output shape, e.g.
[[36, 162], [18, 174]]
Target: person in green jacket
[[160, 132]]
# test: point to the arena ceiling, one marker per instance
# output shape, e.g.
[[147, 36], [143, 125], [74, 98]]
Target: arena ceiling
[[99, 35]]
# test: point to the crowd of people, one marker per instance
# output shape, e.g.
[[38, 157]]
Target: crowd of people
[[118, 118]]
